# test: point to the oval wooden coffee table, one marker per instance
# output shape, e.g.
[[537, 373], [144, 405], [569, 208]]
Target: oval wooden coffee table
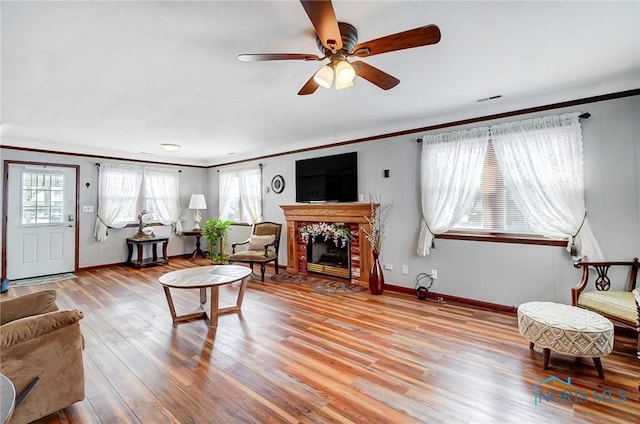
[[204, 277]]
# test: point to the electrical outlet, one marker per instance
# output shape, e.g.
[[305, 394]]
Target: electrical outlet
[[388, 266], [434, 274], [405, 269]]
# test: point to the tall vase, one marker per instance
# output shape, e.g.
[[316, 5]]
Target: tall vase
[[376, 277]]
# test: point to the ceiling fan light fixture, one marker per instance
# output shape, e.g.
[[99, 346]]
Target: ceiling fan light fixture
[[344, 73], [341, 85], [324, 76]]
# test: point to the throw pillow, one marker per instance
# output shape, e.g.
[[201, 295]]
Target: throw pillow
[[258, 242]]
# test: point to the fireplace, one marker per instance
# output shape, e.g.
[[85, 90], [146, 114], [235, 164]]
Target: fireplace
[[327, 257], [351, 215]]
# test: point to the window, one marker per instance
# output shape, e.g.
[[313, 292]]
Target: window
[[493, 209], [161, 188], [125, 190], [42, 197], [240, 196], [524, 177]]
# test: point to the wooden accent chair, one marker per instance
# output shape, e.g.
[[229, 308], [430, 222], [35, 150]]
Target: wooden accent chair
[[41, 353], [617, 305], [262, 246]]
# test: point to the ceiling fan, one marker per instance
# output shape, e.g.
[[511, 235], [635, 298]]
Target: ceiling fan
[[337, 41]]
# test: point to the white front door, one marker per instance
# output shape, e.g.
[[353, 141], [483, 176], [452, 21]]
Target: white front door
[[41, 220]]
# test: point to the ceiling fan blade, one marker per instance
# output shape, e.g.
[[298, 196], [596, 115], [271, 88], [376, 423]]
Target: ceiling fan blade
[[416, 37], [309, 87], [374, 75], [277, 56], [324, 21]]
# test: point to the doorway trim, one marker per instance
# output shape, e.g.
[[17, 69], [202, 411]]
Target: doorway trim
[[5, 208]]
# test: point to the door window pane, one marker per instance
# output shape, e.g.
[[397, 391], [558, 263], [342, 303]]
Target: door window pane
[[42, 197]]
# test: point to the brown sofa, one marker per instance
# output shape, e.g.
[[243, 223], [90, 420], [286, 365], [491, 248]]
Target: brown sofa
[[38, 340]]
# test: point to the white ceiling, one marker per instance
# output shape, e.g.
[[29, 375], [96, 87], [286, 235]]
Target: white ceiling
[[120, 78]]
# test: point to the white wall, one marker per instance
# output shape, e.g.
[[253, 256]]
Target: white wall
[[506, 274], [114, 250], [501, 273]]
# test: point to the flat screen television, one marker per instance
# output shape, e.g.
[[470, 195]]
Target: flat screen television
[[328, 178]]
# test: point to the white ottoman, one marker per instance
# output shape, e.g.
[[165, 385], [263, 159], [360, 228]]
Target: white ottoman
[[566, 329]]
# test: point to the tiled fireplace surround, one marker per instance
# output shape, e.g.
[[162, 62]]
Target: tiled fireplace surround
[[350, 214]]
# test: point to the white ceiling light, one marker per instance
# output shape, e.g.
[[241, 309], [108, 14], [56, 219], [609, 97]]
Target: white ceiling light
[[324, 77], [170, 147], [345, 73], [340, 85]]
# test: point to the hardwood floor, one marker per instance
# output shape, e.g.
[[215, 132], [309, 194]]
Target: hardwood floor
[[297, 356]]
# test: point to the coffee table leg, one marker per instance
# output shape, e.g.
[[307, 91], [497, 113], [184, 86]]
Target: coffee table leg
[[172, 308], [214, 305], [243, 288], [545, 357], [203, 297], [238, 305], [179, 318], [598, 365]]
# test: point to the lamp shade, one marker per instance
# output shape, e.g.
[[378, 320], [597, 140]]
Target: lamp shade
[[197, 202], [324, 76], [344, 72], [341, 85]]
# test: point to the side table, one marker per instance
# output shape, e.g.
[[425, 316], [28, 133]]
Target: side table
[[198, 250], [154, 260]]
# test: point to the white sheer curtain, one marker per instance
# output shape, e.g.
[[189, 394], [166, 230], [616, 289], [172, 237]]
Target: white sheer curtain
[[227, 185], [542, 163], [118, 191], [162, 186], [240, 194], [250, 194], [450, 175]]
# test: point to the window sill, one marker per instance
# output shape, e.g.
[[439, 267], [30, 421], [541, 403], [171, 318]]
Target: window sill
[[502, 238], [241, 224], [135, 224]]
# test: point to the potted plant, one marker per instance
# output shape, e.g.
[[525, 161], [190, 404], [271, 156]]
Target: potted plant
[[215, 231]]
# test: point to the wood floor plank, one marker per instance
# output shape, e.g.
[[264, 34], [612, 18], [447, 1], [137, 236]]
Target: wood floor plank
[[294, 355]]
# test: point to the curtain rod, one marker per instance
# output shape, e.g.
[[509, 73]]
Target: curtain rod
[[259, 166], [585, 115]]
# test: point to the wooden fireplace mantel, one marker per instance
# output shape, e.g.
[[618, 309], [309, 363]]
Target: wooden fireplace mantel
[[348, 213]]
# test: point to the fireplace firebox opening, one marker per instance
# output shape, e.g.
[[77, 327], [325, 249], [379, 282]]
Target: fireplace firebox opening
[[324, 257]]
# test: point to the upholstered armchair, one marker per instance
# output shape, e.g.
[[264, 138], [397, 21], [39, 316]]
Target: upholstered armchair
[[39, 341], [262, 247], [616, 304]]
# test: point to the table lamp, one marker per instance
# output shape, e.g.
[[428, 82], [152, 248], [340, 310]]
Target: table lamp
[[197, 202]]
